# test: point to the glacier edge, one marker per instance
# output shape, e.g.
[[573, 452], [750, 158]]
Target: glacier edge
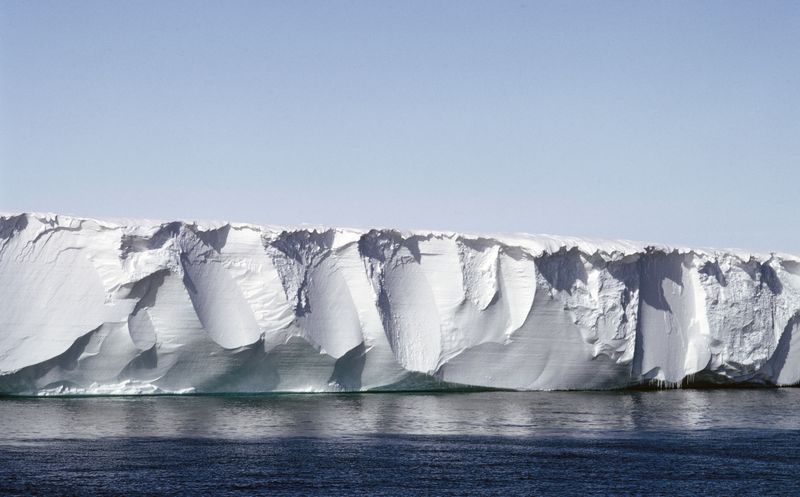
[[93, 306]]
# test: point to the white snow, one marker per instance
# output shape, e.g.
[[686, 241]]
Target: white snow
[[122, 307]]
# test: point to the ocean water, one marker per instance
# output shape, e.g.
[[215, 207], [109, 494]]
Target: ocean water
[[673, 442]]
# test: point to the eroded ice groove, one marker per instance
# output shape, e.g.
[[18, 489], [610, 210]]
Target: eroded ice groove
[[123, 307]]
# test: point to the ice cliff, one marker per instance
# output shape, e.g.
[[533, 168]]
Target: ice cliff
[[92, 306]]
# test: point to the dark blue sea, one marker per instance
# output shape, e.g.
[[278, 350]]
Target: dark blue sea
[[673, 442]]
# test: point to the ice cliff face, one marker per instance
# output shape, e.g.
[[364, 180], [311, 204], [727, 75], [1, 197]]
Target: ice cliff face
[[89, 306]]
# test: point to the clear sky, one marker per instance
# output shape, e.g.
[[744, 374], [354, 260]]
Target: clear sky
[[660, 121]]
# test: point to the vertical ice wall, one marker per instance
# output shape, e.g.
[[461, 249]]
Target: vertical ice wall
[[139, 306]]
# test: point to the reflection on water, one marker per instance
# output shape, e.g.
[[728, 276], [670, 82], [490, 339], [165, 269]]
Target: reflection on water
[[533, 414]]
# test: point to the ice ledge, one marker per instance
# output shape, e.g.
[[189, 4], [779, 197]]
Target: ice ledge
[[540, 243]]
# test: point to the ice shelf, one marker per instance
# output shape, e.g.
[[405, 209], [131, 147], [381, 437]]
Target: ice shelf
[[93, 306]]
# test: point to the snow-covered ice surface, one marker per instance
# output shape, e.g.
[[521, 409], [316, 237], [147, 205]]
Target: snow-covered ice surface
[[129, 306]]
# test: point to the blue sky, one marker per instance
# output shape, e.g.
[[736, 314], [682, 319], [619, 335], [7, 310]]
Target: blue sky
[[661, 121]]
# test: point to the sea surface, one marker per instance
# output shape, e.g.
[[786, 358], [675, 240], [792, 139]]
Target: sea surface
[[672, 442]]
